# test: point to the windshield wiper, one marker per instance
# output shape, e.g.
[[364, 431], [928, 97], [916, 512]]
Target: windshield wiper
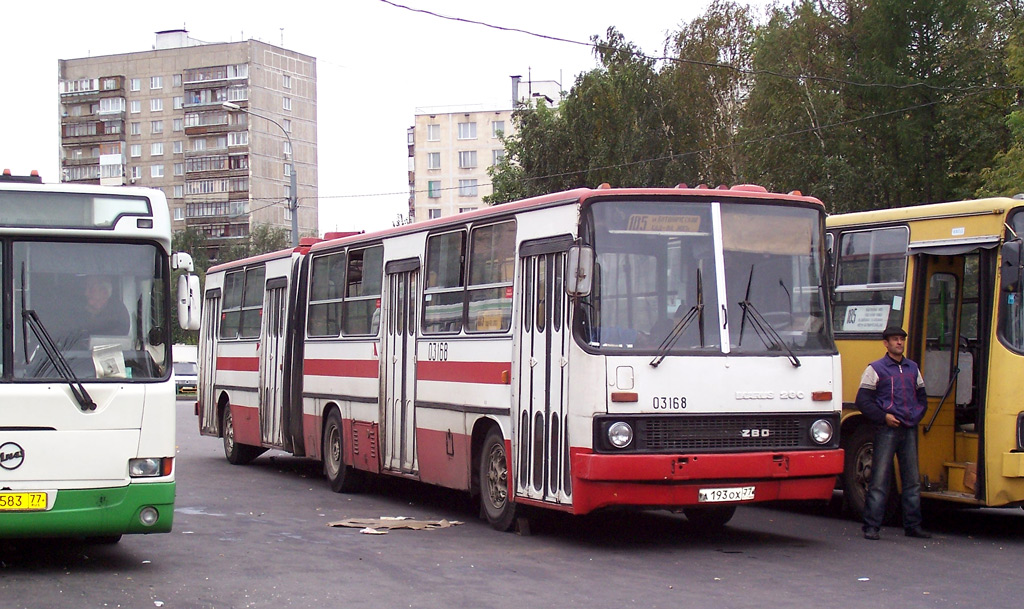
[[697, 311], [762, 327], [57, 360]]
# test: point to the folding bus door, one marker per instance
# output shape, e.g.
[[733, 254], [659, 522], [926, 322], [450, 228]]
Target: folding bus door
[[398, 366], [541, 441]]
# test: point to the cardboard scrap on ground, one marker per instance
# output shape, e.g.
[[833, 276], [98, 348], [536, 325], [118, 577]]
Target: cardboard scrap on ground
[[381, 526]]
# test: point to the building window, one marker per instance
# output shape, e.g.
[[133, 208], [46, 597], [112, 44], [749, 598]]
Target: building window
[[497, 156], [178, 102], [179, 213], [467, 131], [286, 148], [156, 82], [179, 192], [135, 150], [135, 84], [497, 129], [286, 81], [136, 128], [136, 106], [467, 159], [156, 126], [179, 146], [136, 172], [433, 132], [463, 210], [199, 144], [434, 189], [177, 80], [179, 169], [288, 125], [156, 105], [238, 138], [178, 125], [433, 160], [156, 149], [287, 169], [467, 188], [433, 213], [111, 105], [287, 103], [156, 171]]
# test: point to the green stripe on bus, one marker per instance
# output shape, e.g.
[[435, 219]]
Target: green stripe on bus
[[95, 512]]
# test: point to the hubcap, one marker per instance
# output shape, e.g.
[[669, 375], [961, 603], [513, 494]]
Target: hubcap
[[497, 477]]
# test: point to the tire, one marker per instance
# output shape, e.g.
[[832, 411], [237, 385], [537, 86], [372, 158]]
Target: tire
[[236, 454], [710, 517], [857, 475], [341, 477], [495, 504], [103, 540]]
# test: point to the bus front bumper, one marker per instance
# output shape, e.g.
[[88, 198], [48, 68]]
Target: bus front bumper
[[670, 481], [97, 512]]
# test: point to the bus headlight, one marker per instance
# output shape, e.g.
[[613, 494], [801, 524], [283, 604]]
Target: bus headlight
[[620, 434], [821, 431], [145, 468]]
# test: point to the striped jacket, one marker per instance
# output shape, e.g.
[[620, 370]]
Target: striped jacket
[[888, 386]]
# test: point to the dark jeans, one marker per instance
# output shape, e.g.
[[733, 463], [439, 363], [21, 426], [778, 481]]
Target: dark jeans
[[901, 442]]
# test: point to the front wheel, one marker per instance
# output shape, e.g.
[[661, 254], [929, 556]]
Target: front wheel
[[710, 517], [236, 454], [342, 478], [495, 503]]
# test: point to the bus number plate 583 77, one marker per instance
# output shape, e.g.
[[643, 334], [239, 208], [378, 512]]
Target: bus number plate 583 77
[[24, 502]]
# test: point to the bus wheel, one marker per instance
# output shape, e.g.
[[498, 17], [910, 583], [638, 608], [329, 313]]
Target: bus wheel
[[710, 517], [236, 454], [495, 504], [860, 449], [342, 478]]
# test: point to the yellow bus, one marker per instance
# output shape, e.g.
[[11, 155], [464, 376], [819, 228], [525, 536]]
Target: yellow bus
[[951, 275]]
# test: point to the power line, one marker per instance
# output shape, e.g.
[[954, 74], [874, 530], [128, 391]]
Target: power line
[[708, 64]]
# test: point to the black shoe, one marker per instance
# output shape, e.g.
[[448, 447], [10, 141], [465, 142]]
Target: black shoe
[[872, 534], [917, 532]]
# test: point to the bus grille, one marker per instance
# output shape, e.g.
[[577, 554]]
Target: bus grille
[[716, 433]]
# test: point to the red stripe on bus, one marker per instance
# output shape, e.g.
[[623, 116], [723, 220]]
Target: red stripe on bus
[[489, 373], [241, 364], [357, 368]]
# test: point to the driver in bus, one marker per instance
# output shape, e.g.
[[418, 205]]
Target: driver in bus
[[105, 315]]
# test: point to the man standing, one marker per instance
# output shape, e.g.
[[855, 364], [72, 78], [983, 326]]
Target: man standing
[[892, 395]]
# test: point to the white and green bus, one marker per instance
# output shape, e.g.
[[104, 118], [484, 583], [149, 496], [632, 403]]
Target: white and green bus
[[87, 404]]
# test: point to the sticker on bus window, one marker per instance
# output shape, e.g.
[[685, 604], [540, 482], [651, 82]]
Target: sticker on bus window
[[865, 318], [655, 223]]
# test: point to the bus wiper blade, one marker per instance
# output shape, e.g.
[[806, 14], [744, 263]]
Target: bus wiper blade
[[697, 311], [57, 359], [764, 330]]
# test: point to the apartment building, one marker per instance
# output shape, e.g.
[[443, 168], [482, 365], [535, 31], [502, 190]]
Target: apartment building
[[451, 149], [219, 127]]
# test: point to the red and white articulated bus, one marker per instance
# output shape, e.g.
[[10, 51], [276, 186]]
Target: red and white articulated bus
[[654, 348]]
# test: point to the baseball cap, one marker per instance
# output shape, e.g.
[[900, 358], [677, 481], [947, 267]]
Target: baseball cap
[[893, 331]]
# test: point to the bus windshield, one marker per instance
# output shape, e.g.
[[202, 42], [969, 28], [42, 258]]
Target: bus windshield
[[670, 277], [102, 306]]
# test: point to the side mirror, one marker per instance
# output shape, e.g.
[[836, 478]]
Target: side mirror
[[1011, 270], [579, 270], [188, 302]]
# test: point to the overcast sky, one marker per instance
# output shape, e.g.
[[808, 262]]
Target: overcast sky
[[376, 64]]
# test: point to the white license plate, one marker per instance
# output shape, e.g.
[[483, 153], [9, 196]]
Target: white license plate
[[717, 495]]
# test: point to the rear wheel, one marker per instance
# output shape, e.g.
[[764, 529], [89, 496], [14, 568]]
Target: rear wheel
[[236, 454], [710, 517], [495, 503], [342, 478]]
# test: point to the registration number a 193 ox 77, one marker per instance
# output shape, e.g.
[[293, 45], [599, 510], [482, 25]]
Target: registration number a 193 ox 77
[[717, 495]]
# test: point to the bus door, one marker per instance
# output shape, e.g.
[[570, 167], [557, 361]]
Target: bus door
[[209, 422], [541, 443], [398, 367], [272, 350], [935, 333]]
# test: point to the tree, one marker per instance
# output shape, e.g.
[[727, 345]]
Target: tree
[[1005, 176], [262, 239]]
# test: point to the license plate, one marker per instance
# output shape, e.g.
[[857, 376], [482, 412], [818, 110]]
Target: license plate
[[717, 495], [22, 502]]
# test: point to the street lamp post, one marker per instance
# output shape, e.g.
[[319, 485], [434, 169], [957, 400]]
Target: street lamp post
[[293, 195]]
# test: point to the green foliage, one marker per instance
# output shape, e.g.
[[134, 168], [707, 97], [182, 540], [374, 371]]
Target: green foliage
[[263, 239], [863, 103]]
